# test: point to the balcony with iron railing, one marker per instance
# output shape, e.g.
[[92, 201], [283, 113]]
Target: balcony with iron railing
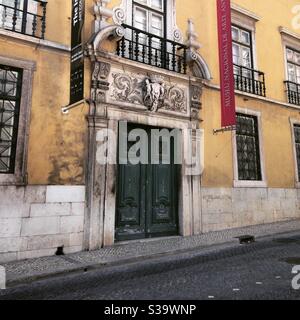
[[293, 92], [249, 80], [20, 20], [150, 49]]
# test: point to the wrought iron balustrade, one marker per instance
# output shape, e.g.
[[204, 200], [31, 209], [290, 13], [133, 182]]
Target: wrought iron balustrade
[[293, 92], [22, 21], [249, 80], [147, 48]]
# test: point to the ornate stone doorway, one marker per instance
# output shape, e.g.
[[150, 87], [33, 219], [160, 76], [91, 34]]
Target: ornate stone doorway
[[147, 194], [125, 90]]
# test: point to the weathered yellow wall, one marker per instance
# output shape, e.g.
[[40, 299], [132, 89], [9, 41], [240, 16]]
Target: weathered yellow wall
[[58, 142], [277, 139], [269, 49], [58, 21], [218, 149]]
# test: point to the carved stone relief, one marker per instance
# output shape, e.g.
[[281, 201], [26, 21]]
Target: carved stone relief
[[100, 85], [119, 16], [152, 92], [177, 35], [154, 95], [126, 89], [196, 93]]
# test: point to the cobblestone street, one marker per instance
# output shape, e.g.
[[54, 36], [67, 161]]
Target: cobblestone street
[[262, 270]]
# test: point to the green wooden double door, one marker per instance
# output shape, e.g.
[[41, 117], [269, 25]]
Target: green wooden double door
[[147, 198]]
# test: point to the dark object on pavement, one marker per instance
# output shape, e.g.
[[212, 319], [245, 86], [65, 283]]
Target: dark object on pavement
[[60, 251], [246, 239]]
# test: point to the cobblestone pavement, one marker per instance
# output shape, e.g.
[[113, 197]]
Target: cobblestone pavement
[[24, 271], [262, 270]]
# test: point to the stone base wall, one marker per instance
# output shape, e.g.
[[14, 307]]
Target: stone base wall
[[35, 220], [241, 207]]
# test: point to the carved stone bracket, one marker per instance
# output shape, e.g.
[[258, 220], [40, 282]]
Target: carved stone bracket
[[102, 14], [110, 32]]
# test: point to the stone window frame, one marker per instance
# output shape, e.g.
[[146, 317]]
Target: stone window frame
[[19, 177], [242, 183], [247, 20], [294, 122], [289, 40]]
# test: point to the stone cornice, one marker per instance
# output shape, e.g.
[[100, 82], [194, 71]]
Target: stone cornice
[[34, 41], [245, 12], [286, 32]]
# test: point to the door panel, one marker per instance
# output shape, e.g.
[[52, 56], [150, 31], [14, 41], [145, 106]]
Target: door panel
[[147, 204], [130, 219], [162, 210]]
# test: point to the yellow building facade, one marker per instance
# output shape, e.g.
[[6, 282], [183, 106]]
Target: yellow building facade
[[153, 64]]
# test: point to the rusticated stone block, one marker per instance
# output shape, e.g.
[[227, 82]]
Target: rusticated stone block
[[40, 226], [50, 209]]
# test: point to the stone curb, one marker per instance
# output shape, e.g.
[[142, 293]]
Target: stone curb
[[81, 268], [156, 261]]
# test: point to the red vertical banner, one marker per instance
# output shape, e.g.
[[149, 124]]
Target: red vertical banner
[[226, 64]]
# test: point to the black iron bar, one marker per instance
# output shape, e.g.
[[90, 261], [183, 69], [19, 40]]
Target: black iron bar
[[15, 15]]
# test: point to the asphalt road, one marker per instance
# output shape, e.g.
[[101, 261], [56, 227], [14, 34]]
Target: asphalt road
[[262, 270]]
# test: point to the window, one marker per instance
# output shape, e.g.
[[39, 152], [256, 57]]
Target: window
[[10, 95], [295, 127], [242, 48], [246, 78], [147, 36], [148, 15], [293, 74], [248, 149], [293, 65], [297, 148], [7, 12], [23, 16], [16, 79]]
